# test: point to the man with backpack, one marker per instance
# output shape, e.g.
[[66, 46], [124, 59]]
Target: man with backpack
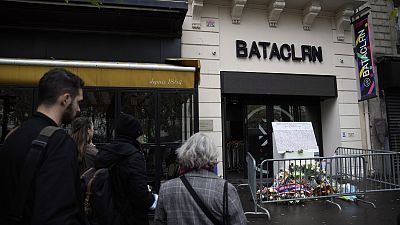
[[39, 165], [127, 168]]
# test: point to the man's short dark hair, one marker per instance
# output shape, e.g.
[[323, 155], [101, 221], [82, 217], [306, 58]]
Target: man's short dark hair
[[57, 82]]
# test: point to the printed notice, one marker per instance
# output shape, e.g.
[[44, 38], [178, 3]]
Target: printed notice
[[294, 136]]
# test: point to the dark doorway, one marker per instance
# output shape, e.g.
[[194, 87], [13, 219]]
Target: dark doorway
[[248, 126], [235, 141]]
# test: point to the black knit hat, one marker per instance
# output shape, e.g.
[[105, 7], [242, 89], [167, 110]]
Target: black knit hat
[[127, 126]]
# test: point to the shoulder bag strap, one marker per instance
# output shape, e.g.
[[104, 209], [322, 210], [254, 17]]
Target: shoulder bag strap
[[198, 201], [226, 216], [28, 171]]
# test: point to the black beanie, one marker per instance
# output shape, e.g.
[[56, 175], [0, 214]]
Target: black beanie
[[127, 126]]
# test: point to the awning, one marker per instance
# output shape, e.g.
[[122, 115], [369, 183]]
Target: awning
[[278, 84], [27, 72]]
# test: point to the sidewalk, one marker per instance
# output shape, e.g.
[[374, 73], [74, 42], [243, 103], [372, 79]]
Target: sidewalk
[[320, 212]]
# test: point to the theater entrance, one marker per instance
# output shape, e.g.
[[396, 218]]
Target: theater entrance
[[248, 126]]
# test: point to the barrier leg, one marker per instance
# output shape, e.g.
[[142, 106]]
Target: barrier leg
[[367, 202], [266, 212], [256, 205], [332, 202], [241, 185]]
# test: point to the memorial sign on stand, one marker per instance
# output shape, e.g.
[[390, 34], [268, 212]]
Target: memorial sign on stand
[[293, 140]]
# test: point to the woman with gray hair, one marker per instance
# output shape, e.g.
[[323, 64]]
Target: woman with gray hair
[[198, 196]]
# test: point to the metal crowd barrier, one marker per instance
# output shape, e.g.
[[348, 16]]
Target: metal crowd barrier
[[252, 184], [351, 173], [382, 168], [297, 179]]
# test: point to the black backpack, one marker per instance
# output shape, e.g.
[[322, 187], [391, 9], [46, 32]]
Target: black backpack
[[99, 204]]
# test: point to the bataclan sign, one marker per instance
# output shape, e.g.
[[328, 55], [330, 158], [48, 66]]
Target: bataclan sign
[[285, 51]]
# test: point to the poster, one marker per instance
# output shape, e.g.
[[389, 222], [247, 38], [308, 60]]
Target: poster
[[294, 136]]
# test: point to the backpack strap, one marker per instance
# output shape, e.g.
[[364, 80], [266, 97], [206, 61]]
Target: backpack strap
[[28, 172], [11, 131], [225, 214], [198, 201]]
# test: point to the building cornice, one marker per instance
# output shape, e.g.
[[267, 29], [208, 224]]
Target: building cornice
[[343, 22], [197, 6], [310, 12], [237, 10], [274, 12]]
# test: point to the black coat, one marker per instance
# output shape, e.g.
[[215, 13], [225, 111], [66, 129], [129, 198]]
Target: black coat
[[130, 168], [55, 196]]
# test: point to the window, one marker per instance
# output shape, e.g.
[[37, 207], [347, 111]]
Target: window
[[16, 106], [142, 106], [99, 106], [176, 117]]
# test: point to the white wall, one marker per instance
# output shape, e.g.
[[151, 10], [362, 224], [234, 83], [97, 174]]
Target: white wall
[[346, 78], [338, 60], [254, 27], [201, 44], [330, 125], [215, 47]]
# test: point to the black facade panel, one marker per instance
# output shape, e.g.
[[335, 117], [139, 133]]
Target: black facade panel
[[170, 48], [87, 46], [392, 99], [158, 20], [388, 69], [278, 84], [176, 4]]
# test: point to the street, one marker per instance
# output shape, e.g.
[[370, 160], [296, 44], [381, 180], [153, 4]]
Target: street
[[315, 212]]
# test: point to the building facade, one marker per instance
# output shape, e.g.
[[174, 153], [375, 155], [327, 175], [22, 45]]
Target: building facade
[[383, 110], [276, 60], [120, 49]]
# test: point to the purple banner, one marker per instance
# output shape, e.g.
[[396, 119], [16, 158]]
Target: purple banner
[[364, 60]]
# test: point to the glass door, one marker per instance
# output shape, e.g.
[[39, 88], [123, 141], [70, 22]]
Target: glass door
[[300, 113], [259, 132]]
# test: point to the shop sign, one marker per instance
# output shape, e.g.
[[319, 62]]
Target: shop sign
[[103, 77], [364, 60], [286, 52]]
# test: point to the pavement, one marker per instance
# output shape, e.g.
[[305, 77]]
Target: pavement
[[320, 212]]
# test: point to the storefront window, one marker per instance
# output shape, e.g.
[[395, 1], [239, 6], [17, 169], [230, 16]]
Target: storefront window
[[99, 106], [142, 106], [176, 117], [15, 107], [167, 118]]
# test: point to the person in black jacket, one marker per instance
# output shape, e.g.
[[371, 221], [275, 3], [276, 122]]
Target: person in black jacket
[[54, 196], [128, 174]]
